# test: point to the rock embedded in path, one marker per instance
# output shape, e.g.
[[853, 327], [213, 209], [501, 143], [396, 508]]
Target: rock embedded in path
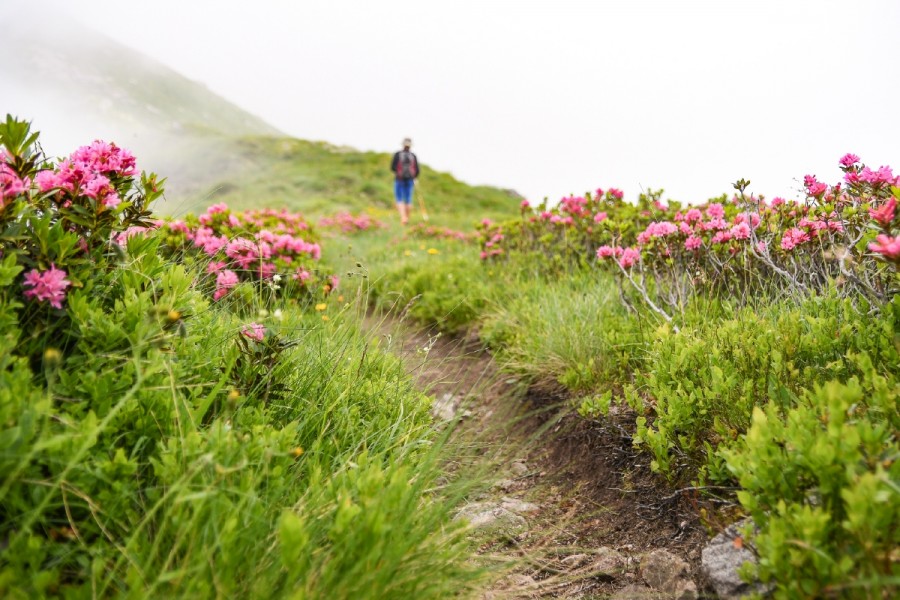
[[487, 516], [668, 574], [519, 468], [608, 563], [505, 485], [722, 559], [519, 506], [445, 408]]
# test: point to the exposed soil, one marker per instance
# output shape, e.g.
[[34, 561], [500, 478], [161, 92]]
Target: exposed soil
[[593, 490]]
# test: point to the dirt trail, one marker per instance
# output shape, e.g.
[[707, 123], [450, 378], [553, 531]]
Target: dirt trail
[[578, 508]]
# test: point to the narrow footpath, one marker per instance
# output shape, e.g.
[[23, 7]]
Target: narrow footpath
[[570, 509]]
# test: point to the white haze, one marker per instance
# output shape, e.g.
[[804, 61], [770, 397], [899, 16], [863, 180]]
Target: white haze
[[550, 97]]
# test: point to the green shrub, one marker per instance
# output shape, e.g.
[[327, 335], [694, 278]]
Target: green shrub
[[704, 381], [821, 482]]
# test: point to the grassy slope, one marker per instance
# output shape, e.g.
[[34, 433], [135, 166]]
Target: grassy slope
[[317, 178]]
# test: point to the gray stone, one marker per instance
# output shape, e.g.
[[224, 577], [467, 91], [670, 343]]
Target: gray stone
[[575, 560], [519, 468], [519, 506], [608, 563], [722, 559], [445, 407], [520, 580], [487, 516], [505, 485], [669, 575]]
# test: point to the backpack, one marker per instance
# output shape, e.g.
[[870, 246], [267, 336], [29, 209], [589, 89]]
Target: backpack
[[406, 165]]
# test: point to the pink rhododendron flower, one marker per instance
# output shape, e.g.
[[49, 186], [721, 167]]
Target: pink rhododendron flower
[[600, 216], [599, 193], [777, 201], [793, 237], [10, 183], [848, 160], [486, 222], [761, 247], [215, 266], [123, 237], [721, 237], [301, 275], [741, 231], [49, 286], [606, 252], [751, 218], [254, 331], [629, 257], [693, 243], [814, 187], [616, 193], [525, 204], [693, 215], [716, 224], [887, 246], [715, 211], [225, 280], [882, 175], [684, 228], [267, 270], [885, 214], [46, 180]]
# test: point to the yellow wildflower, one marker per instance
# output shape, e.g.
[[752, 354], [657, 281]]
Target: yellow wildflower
[[321, 306], [433, 251]]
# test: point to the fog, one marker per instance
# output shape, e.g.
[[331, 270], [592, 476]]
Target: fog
[[547, 98]]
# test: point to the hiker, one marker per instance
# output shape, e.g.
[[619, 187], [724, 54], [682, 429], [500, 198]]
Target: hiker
[[405, 168]]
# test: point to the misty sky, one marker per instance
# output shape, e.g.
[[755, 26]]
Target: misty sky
[[552, 97]]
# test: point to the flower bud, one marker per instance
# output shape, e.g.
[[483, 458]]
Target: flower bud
[[52, 358]]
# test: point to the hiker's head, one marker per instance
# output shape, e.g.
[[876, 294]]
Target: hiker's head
[[407, 143]]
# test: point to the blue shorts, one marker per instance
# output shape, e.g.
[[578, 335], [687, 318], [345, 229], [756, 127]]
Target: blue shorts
[[403, 189]]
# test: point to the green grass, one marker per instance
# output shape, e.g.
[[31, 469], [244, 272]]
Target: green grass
[[155, 460]]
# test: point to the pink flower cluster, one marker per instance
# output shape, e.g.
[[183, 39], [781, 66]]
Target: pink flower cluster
[[48, 286], [433, 231], [254, 331], [349, 223], [91, 172], [252, 245], [10, 184], [491, 237]]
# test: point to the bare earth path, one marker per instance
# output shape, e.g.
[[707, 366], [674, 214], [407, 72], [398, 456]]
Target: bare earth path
[[572, 508]]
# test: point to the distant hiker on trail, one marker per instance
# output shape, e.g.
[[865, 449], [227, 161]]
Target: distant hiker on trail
[[405, 167]]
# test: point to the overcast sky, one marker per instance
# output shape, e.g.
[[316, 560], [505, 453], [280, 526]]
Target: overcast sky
[[552, 97]]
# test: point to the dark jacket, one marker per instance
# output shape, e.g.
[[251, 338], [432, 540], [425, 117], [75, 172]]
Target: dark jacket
[[395, 165]]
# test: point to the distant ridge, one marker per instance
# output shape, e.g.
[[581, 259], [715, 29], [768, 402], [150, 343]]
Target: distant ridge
[[77, 84]]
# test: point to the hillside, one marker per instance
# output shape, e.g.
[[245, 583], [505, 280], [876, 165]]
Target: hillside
[[318, 178], [78, 85]]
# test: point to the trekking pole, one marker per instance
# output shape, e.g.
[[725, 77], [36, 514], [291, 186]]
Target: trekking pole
[[421, 203]]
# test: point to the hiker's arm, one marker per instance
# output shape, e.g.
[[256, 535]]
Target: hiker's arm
[[394, 163]]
